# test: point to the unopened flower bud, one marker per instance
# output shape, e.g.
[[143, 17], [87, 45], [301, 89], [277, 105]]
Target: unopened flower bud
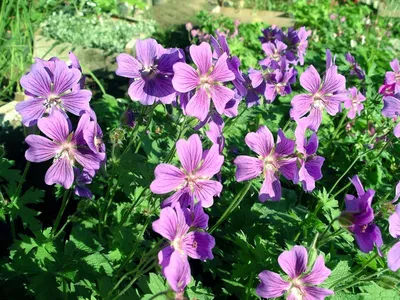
[[128, 118]]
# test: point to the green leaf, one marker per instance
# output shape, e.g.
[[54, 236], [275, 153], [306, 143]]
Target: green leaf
[[374, 292], [341, 271]]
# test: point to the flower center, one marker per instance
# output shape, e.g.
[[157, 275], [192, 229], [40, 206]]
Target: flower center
[[364, 228], [177, 245], [276, 56], [319, 101], [66, 151], [269, 163], [51, 101], [280, 87], [149, 72], [295, 289], [206, 81]]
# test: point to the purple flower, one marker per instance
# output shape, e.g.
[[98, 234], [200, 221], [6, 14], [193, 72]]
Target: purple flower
[[279, 84], [330, 61], [150, 72], [128, 118], [353, 102], [397, 196], [310, 163], [253, 94], [302, 46], [272, 161], [391, 109], [360, 215], [207, 81], [221, 46], [82, 178], [195, 177], [75, 64], [275, 52], [394, 77], [300, 284], [50, 87], [271, 34], [181, 228], [394, 230], [327, 95], [65, 148], [355, 68], [387, 89], [215, 135]]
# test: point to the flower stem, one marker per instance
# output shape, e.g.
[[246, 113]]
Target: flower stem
[[235, 203], [64, 203], [338, 127], [326, 230], [182, 130]]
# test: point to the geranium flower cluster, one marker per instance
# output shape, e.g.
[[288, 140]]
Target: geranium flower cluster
[[182, 219], [391, 84], [283, 51], [55, 89], [281, 158], [359, 217]]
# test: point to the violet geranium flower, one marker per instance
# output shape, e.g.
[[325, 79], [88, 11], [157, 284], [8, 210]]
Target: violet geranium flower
[[150, 72], [310, 163], [300, 284], [50, 86], [195, 176], [272, 161], [353, 102], [207, 81], [65, 148], [355, 68], [302, 46], [394, 77], [82, 178], [280, 84], [327, 95], [360, 215], [184, 231], [394, 230], [391, 109]]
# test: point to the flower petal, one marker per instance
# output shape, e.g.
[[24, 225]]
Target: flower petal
[[358, 185], [288, 168], [272, 285], [393, 257], [205, 190], [220, 96], [212, 163], [185, 77], [37, 82], [202, 57], [333, 82], [301, 104], [247, 167], [30, 110], [136, 92], [177, 272], [199, 105], [88, 159], [40, 148], [294, 262], [316, 293], [166, 225], [168, 178], [64, 77], [318, 274], [221, 72], [284, 146], [198, 245], [271, 188], [310, 80], [146, 51], [77, 102], [60, 172], [128, 66], [391, 107], [394, 223], [190, 152], [314, 119], [56, 126], [261, 142]]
